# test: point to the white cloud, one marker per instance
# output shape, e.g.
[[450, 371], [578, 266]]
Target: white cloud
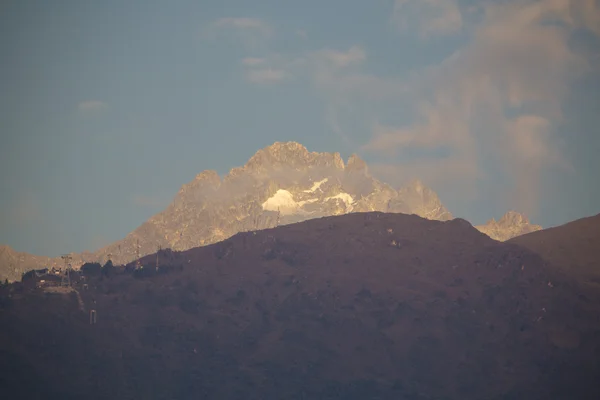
[[272, 69], [497, 99], [91, 106], [253, 61], [243, 23], [341, 59], [456, 180], [339, 76], [335, 74], [252, 32], [494, 103], [429, 17], [266, 75]]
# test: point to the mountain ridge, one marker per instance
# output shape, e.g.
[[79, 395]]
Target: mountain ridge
[[280, 184], [512, 224], [571, 247]]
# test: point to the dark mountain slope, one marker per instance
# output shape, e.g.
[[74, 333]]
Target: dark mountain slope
[[365, 305], [573, 247]]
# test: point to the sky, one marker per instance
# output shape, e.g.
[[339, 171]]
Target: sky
[[107, 108]]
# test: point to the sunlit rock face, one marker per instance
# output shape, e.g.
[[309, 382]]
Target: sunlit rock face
[[281, 184], [512, 224]]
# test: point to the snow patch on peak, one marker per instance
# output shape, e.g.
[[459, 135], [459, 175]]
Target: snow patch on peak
[[345, 198], [316, 186], [283, 201]]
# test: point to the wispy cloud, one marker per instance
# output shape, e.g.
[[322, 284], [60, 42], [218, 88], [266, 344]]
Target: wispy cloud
[[340, 58], [253, 61], [252, 32], [244, 23], [428, 17], [91, 106], [302, 33], [266, 75], [337, 76], [269, 70], [491, 107], [496, 100]]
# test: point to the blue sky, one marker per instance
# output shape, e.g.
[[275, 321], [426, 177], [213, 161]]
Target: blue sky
[[107, 108]]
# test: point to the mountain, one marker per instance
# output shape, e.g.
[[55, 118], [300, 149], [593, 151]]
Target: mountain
[[281, 184], [512, 224], [573, 247], [365, 305]]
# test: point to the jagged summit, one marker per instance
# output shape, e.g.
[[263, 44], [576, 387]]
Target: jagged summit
[[280, 184], [416, 185], [208, 178], [511, 224], [510, 218], [208, 174], [291, 155], [513, 218], [355, 163]]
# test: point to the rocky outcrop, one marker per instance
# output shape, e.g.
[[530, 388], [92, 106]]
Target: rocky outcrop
[[281, 184], [511, 225]]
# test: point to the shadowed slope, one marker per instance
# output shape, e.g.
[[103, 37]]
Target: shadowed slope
[[573, 247], [365, 305]]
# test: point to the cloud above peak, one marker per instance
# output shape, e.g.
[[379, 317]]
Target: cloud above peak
[[91, 106], [253, 61], [489, 110], [266, 75], [496, 101], [341, 59], [252, 33], [244, 23], [428, 17]]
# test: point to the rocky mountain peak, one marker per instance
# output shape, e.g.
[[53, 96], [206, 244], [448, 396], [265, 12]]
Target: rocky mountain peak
[[208, 175], [282, 152], [513, 218], [422, 200], [280, 184], [417, 186], [279, 153], [355, 163], [205, 179], [511, 224], [289, 155]]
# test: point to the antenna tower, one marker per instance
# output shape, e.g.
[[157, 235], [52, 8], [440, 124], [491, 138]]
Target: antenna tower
[[159, 249], [138, 264], [66, 280], [278, 216]]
